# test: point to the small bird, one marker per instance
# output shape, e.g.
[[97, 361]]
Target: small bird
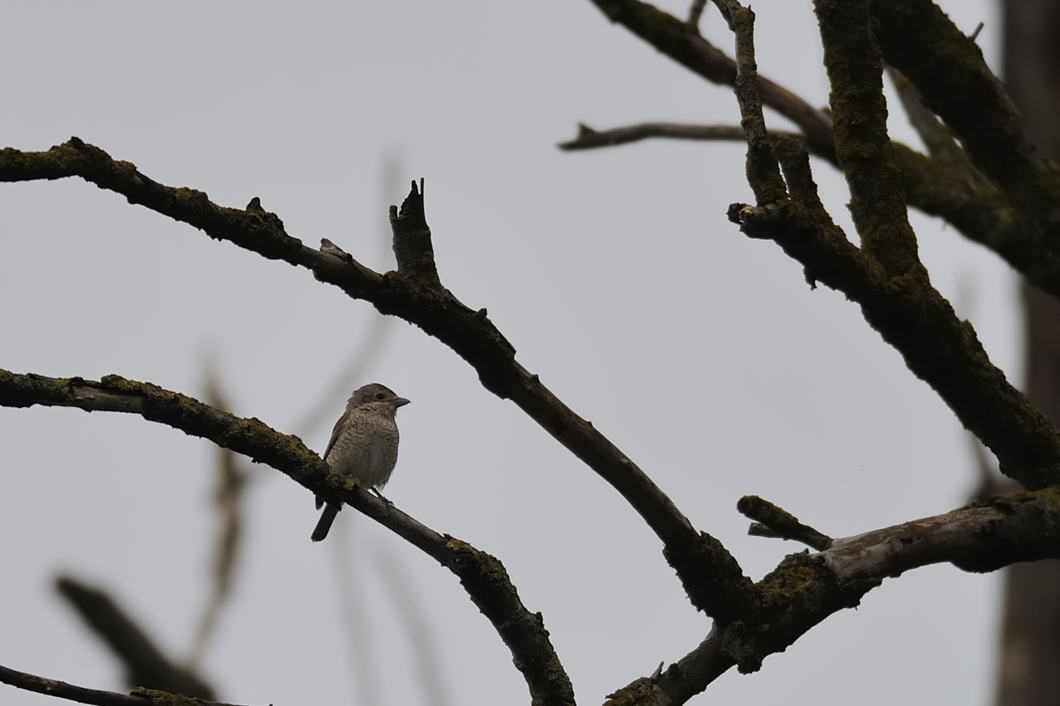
[[363, 446]]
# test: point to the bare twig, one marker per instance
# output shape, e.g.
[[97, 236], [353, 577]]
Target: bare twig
[[937, 138], [82, 695], [763, 170], [482, 575], [710, 575], [775, 521]]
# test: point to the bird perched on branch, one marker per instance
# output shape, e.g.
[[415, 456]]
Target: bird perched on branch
[[363, 446]]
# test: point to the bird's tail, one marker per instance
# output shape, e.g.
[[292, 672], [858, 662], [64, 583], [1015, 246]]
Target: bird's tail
[[324, 525]]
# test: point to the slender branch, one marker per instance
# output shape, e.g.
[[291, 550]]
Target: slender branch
[[80, 694], [588, 138], [937, 138], [483, 576], [683, 43], [806, 589], [979, 211], [763, 171], [710, 575], [854, 62]]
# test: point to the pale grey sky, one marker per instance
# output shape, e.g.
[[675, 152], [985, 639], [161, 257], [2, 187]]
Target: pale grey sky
[[615, 273]]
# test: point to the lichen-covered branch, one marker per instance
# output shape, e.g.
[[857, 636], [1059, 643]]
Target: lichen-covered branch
[[774, 521], [859, 115], [482, 575], [807, 588], [710, 575], [948, 69], [763, 171], [980, 211]]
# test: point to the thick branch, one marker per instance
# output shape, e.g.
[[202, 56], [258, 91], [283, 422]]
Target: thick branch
[[859, 116], [954, 81], [709, 574], [918, 321], [70, 692], [482, 575], [807, 588]]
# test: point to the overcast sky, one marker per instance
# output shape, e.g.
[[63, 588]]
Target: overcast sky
[[702, 354]]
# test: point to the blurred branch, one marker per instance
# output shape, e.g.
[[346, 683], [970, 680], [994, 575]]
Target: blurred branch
[[884, 276], [355, 616], [144, 663], [70, 692], [482, 575], [228, 495], [709, 574]]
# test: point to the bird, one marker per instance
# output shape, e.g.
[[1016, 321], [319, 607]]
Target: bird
[[363, 445]]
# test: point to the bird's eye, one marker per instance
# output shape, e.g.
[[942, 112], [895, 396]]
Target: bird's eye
[[379, 395]]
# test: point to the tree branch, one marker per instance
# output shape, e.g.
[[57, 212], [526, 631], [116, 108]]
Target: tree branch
[[70, 692], [710, 575], [979, 211], [859, 115], [678, 40], [807, 588], [918, 321], [948, 69], [483, 576]]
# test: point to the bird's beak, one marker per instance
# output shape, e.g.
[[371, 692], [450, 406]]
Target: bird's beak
[[401, 402]]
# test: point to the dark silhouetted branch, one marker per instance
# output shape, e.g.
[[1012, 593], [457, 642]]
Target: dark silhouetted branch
[[482, 575], [681, 42], [70, 692], [807, 588], [710, 575]]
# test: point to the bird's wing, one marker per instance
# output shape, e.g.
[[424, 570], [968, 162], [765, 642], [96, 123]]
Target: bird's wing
[[335, 433]]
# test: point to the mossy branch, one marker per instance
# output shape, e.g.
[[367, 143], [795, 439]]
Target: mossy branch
[[482, 575]]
